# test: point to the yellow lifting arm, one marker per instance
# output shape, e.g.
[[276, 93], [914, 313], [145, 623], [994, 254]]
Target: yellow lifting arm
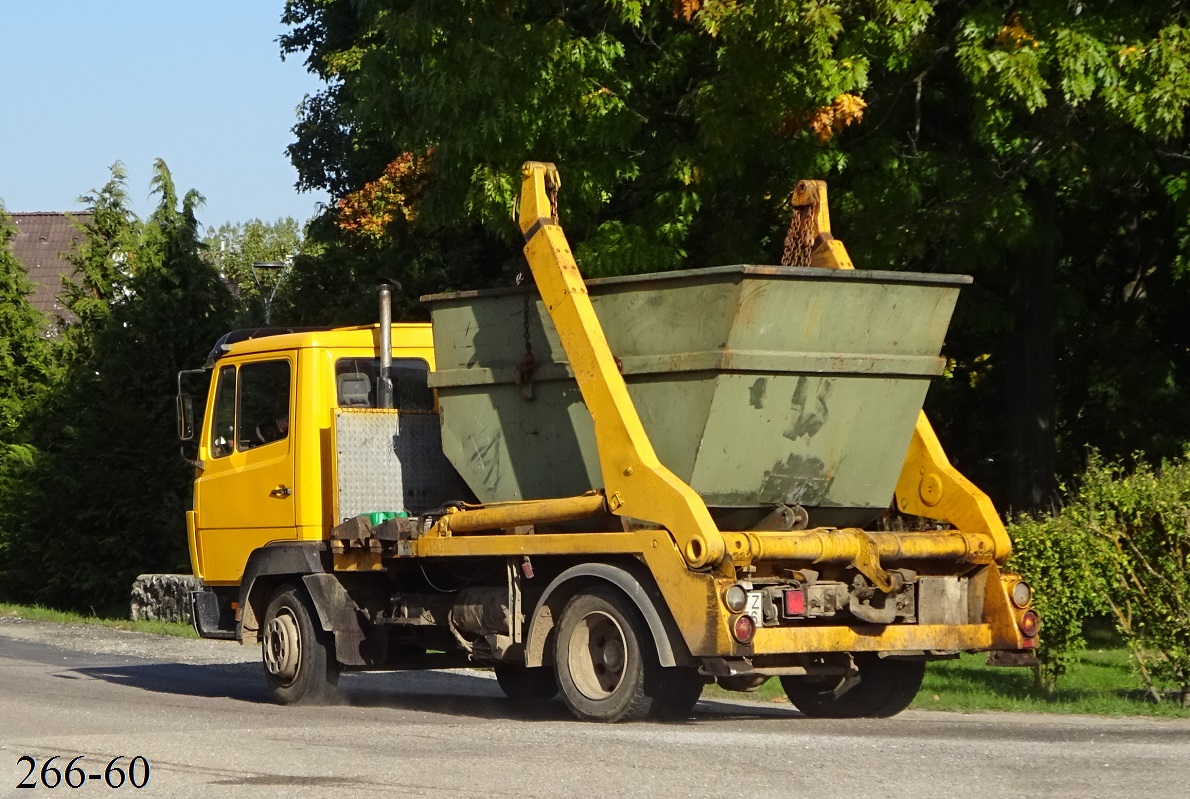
[[635, 482], [929, 486]]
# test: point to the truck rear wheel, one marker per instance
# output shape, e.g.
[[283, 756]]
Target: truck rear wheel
[[884, 687], [606, 665], [526, 685], [299, 659]]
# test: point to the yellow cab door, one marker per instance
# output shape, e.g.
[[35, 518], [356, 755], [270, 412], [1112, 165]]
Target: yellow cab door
[[244, 496]]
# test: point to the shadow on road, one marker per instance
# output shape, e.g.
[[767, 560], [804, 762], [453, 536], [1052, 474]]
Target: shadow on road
[[442, 692], [240, 681]]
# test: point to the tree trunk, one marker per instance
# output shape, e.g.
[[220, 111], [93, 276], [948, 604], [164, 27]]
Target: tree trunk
[[1031, 406]]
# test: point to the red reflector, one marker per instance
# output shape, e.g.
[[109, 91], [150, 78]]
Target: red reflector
[[795, 602], [743, 628], [1029, 643]]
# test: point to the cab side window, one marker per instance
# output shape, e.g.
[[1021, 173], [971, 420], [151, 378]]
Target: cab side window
[[263, 413], [355, 381], [410, 385], [224, 419]]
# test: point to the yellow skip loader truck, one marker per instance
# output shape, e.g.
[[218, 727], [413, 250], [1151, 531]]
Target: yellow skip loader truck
[[616, 490]]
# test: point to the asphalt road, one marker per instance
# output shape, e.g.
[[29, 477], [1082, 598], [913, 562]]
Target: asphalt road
[[195, 711]]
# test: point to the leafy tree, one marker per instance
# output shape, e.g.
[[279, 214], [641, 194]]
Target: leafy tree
[[234, 248], [677, 126], [103, 470], [25, 363], [103, 265], [1039, 145], [26, 366]]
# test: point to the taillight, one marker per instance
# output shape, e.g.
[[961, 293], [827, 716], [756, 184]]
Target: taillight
[[743, 628], [795, 602], [1022, 594], [1030, 623], [736, 598]]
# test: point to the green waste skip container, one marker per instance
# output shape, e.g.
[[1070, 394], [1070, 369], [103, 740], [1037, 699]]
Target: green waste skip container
[[757, 385]]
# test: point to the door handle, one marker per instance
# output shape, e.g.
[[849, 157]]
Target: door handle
[[280, 492]]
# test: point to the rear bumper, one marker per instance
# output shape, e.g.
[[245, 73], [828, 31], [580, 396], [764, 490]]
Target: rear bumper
[[878, 638]]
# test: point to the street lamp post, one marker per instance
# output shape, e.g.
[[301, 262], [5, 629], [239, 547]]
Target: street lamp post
[[283, 267]]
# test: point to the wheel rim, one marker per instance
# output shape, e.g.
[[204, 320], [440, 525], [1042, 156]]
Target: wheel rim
[[598, 655], [282, 646]]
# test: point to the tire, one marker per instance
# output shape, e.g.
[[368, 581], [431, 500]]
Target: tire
[[604, 657], [525, 685], [298, 657], [883, 688]]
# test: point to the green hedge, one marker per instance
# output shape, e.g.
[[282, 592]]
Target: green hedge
[[1121, 545]]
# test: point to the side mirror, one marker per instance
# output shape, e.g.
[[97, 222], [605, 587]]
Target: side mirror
[[185, 417], [186, 413]]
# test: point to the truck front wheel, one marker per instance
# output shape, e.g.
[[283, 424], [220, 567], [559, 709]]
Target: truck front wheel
[[604, 657], [882, 687], [299, 659]]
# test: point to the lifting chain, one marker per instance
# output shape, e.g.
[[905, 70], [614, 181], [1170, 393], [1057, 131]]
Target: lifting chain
[[552, 189], [799, 241], [524, 372]]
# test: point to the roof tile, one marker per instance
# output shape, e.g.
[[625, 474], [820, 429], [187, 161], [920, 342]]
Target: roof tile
[[43, 239]]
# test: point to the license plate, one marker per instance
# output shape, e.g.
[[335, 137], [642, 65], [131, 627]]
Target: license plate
[[755, 607]]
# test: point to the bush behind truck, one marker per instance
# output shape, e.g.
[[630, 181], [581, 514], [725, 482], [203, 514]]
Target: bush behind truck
[[617, 490]]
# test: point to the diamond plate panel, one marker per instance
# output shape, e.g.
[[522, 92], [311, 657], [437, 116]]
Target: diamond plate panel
[[391, 461]]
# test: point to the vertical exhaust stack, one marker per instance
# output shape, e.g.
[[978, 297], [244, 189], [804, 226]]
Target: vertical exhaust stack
[[384, 381]]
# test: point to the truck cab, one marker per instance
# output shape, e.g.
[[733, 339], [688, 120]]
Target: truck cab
[[264, 472]]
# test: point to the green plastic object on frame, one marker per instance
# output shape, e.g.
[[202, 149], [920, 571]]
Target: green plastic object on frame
[[378, 517]]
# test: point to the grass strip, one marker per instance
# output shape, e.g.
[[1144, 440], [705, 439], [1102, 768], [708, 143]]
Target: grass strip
[[36, 613], [1098, 682]]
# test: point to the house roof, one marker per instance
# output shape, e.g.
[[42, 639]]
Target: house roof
[[43, 239]]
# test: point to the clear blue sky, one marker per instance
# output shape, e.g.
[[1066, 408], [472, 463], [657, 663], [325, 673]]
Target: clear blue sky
[[198, 83]]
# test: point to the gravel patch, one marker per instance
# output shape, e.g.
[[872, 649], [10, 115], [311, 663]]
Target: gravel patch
[[98, 640]]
